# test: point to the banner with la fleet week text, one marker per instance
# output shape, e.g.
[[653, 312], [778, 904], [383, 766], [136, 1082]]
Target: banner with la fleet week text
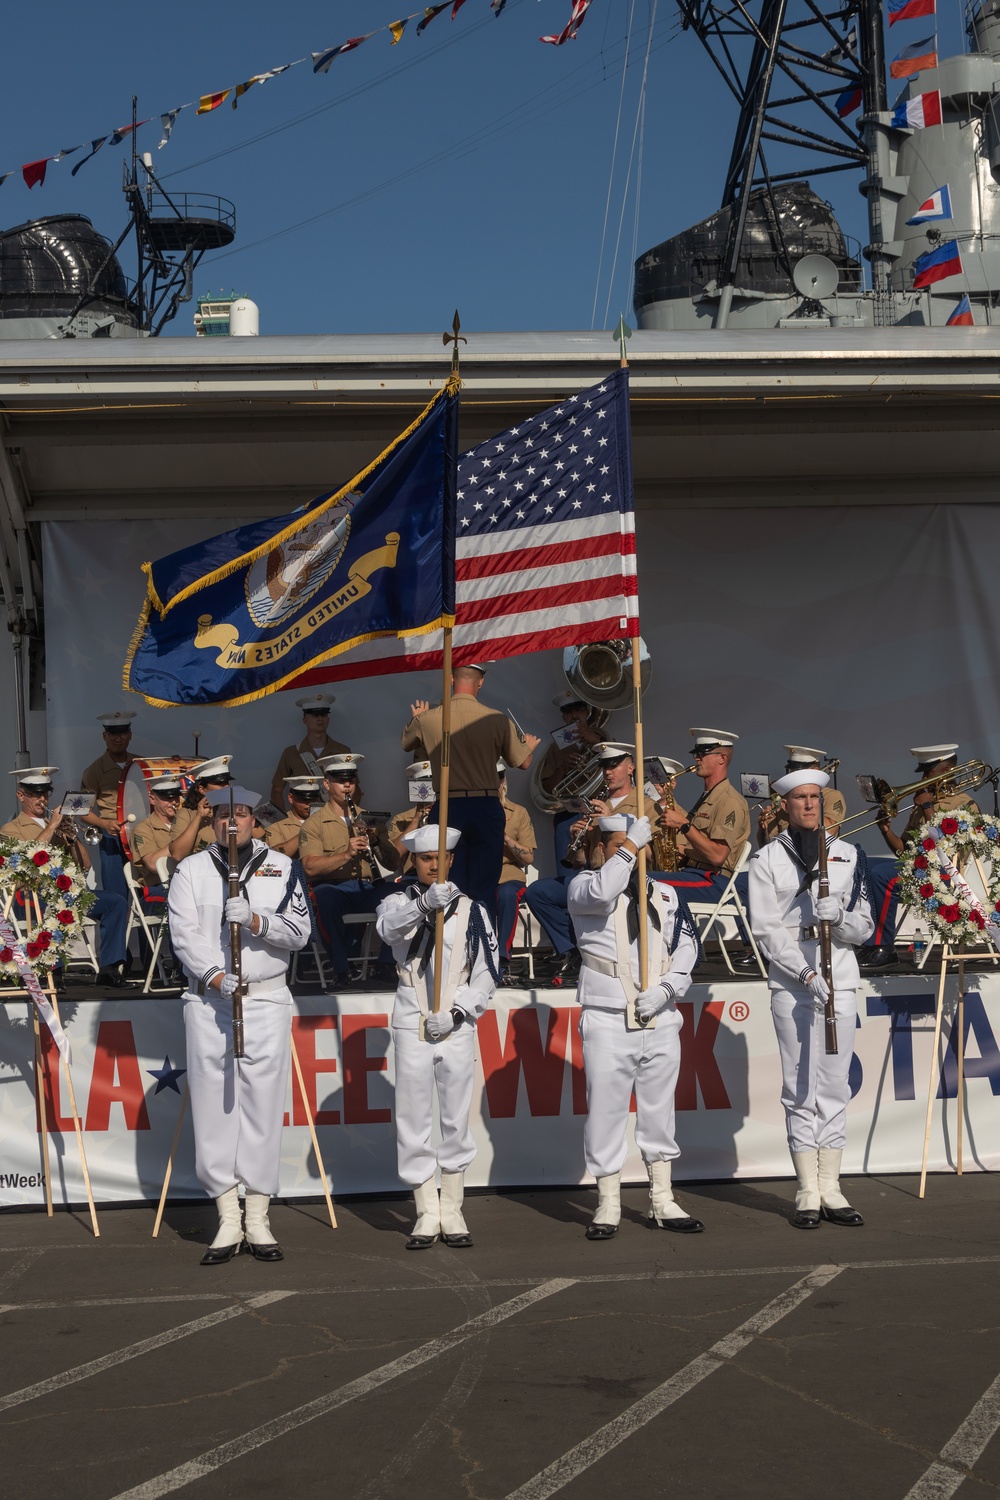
[[530, 1098]]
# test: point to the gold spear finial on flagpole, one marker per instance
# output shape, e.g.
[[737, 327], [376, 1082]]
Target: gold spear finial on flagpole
[[621, 333], [454, 337]]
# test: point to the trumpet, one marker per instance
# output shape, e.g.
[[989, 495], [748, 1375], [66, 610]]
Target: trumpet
[[568, 860], [964, 778]]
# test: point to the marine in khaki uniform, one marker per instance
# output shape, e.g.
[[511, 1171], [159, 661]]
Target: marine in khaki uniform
[[150, 839], [35, 824], [338, 861], [103, 778], [304, 758], [480, 736], [192, 831], [519, 845], [711, 837], [547, 899], [932, 760], [771, 821], [303, 794]]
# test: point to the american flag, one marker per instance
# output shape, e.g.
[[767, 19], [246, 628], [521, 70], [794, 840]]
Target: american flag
[[545, 544]]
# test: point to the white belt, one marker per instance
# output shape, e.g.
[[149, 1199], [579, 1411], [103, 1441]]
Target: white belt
[[607, 966]]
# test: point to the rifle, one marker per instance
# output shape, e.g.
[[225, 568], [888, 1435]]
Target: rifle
[[235, 938], [826, 945]]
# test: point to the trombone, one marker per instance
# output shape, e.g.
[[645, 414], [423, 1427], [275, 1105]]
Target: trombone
[[964, 778]]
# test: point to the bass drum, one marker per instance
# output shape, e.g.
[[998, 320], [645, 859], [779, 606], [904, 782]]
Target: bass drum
[[133, 789]]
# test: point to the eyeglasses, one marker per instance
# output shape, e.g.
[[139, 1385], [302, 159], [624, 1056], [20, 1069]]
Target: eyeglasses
[[700, 751]]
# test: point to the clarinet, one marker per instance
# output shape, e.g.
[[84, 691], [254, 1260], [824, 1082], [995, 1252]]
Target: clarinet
[[356, 829], [826, 949], [568, 860]]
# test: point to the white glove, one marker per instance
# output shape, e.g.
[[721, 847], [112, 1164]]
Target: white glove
[[439, 1023], [639, 833], [827, 908], [230, 984], [818, 987], [649, 1003], [238, 910], [437, 897]]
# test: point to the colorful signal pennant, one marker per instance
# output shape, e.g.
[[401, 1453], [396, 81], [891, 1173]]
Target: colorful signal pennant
[[919, 112], [937, 206], [910, 10], [569, 31], [937, 265], [962, 316], [915, 58]]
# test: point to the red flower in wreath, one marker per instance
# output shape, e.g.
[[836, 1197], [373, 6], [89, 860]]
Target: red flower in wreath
[[977, 918], [951, 913], [949, 826], [928, 844], [65, 917], [926, 891], [6, 955], [32, 950], [43, 939], [920, 863], [63, 883], [40, 859]]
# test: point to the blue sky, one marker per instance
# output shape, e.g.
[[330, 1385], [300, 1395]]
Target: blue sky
[[469, 167]]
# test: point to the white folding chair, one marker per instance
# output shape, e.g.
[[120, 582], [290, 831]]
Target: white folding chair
[[529, 932], [154, 927], [729, 907], [369, 942]]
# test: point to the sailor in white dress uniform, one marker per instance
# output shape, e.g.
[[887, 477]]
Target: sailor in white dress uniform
[[784, 914], [237, 1105], [631, 1036], [436, 1050]]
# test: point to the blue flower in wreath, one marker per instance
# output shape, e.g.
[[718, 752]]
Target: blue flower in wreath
[[963, 827], [14, 860], [991, 832]]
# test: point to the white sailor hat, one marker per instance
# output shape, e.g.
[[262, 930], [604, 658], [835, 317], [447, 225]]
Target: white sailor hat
[[116, 720], [219, 797], [36, 776], [609, 750], [804, 755], [319, 703], [799, 778], [713, 739], [425, 840], [420, 770], [480, 666], [501, 768], [929, 755], [343, 761], [615, 823], [166, 784], [303, 785], [673, 766], [212, 770], [568, 699]]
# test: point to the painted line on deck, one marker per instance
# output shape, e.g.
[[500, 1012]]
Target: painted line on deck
[[500, 1283], [17, 1270], [133, 1351], [961, 1451], [577, 1460], [268, 1432]]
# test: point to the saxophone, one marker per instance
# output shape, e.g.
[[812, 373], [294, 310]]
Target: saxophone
[[663, 848]]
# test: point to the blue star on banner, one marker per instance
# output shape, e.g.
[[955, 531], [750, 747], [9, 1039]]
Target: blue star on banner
[[166, 1077]]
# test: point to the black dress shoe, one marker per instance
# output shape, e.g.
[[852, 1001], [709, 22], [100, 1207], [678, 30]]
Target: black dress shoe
[[457, 1241], [220, 1254], [113, 979], [847, 1216], [679, 1226], [566, 972], [265, 1252], [745, 963], [877, 958], [805, 1218], [421, 1241], [601, 1231]]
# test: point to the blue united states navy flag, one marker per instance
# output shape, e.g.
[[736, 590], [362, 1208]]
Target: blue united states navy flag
[[243, 614]]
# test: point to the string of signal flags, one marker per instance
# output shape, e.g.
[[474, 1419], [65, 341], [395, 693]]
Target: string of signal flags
[[33, 172]]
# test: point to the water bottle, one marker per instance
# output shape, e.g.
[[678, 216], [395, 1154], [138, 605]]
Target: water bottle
[[918, 947]]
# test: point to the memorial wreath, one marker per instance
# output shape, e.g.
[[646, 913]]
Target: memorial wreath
[[930, 879], [27, 870]]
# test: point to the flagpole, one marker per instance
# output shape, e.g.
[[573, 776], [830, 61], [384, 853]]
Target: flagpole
[[623, 332], [454, 338]]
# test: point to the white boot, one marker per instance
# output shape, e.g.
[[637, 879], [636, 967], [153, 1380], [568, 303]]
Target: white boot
[[230, 1232], [834, 1206], [664, 1209], [260, 1241], [454, 1230], [807, 1199], [609, 1208], [428, 1225]]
